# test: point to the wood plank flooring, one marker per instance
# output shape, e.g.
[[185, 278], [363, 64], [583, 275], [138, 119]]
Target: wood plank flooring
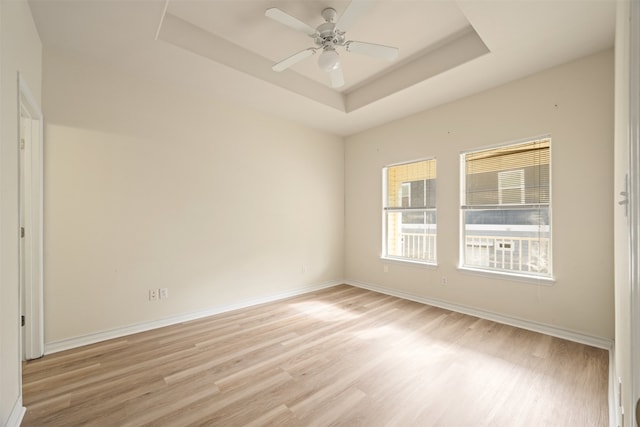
[[340, 356]]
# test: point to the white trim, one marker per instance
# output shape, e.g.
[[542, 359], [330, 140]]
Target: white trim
[[506, 143], [17, 414], [386, 210], [542, 328], [463, 203], [409, 262], [32, 290], [612, 394], [504, 275], [25, 92], [634, 203], [69, 343], [408, 162]]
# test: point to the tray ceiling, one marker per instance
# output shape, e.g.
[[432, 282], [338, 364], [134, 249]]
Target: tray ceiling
[[448, 49]]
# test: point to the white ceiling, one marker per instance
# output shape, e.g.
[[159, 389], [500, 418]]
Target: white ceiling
[[224, 49], [244, 24]]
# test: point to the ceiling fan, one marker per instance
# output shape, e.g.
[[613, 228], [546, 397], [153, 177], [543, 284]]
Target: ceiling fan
[[331, 35]]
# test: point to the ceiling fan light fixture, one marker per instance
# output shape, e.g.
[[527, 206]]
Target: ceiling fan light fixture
[[329, 35], [329, 60]]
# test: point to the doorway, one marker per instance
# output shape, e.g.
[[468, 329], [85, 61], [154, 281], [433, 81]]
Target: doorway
[[634, 145], [30, 139]]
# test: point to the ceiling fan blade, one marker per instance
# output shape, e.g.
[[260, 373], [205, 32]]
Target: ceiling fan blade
[[377, 50], [293, 59], [290, 21], [337, 78], [354, 10]]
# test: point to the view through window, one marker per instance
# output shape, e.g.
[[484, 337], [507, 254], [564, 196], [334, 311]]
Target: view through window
[[505, 209], [410, 211]]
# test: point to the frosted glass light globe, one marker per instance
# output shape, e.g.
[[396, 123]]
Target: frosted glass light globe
[[329, 60]]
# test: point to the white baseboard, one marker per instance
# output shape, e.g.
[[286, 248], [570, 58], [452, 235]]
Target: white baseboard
[[17, 414], [607, 344], [74, 342], [614, 404], [598, 342]]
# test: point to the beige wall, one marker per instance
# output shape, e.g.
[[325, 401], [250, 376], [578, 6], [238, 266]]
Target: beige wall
[[147, 186], [574, 104], [20, 50]]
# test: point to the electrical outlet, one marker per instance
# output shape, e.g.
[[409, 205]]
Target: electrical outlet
[[153, 295], [164, 293], [385, 268], [444, 281]]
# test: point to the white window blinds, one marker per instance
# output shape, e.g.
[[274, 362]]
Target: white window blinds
[[505, 208], [515, 174]]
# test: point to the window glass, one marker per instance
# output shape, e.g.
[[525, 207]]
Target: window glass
[[505, 209], [410, 211]]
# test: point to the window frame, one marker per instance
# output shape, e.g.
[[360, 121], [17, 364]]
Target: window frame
[[524, 276], [385, 210]]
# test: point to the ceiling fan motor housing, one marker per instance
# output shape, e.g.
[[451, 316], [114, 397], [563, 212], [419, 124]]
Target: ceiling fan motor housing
[[327, 35]]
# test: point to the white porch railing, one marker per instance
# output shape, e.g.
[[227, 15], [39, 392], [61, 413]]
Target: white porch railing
[[518, 254], [418, 246]]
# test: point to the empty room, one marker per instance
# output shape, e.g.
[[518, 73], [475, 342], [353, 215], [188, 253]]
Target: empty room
[[314, 213]]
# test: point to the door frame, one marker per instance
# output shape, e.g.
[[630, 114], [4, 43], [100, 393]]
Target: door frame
[[30, 146], [634, 200]]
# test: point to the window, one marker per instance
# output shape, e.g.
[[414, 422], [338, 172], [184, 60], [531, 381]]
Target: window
[[505, 209], [409, 211], [511, 187]]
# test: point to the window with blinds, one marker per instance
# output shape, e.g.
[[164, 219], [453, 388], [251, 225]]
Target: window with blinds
[[409, 211], [505, 209]]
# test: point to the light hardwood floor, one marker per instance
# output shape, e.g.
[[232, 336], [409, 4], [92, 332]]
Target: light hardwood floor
[[340, 356]]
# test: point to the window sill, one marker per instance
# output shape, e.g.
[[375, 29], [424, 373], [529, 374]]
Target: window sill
[[532, 280], [412, 263]]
